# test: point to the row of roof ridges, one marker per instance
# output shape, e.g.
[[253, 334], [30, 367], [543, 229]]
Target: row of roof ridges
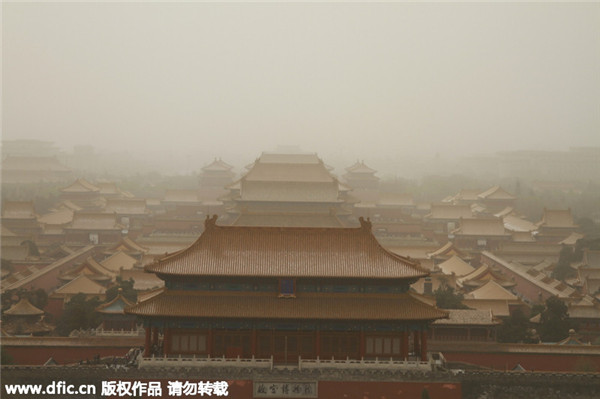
[[49, 268], [103, 187], [18, 208], [519, 269], [219, 164]]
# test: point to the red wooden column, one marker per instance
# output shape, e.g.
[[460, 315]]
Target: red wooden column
[[416, 343], [424, 345], [155, 336], [147, 343], [167, 341], [362, 344], [404, 346], [209, 342], [253, 343], [318, 342]]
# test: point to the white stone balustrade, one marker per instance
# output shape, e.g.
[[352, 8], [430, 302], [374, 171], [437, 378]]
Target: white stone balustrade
[[382, 364], [360, 364], [180, 361], [118, 333]]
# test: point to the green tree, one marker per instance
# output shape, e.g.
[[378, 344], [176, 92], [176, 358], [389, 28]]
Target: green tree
[[425, 394], [537, 309], [7, 265], [585, 365], [588, 228], [5, 358], [563, 269], [79, 313], [554, 321], [37, 297], [582, 245], [32, 246], [447, 298], [126, 287], [514, 329]]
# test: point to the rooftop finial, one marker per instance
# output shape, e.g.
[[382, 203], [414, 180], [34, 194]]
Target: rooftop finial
[[365, 224], [210, 221]]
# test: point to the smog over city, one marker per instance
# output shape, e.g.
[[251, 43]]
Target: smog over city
[[374, 81], [301, 199]]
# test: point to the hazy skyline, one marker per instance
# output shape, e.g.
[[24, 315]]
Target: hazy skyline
[[345, 80]]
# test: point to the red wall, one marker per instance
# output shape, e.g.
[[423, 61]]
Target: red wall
[[378, 390], [55, 307], [37, 350], [243, 389], [36, 355], [529, 361], [19, 266]]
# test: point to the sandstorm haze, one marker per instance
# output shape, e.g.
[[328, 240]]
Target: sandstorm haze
[[381, 82], [323, 200]]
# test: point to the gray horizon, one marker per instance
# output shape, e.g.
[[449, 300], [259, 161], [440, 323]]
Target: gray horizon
[[377, 82]]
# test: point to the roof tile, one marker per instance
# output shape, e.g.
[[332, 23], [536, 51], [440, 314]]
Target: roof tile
[[304, 306], [287, 251]]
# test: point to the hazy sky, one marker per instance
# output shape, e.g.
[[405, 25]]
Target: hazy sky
[[344, 80]]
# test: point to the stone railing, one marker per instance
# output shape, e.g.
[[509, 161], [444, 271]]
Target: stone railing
[[303, 364], [385, 364], [437, 360], [119, 333], [496, 347], [204, 362]]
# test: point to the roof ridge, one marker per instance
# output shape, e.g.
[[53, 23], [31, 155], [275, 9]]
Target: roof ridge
[[23, 307], [119, 296], [210, 223], [76, 280]]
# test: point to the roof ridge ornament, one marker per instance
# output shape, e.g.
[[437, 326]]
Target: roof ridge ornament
[[210, 222], [365, 224]]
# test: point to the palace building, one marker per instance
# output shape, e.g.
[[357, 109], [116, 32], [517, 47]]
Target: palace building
[[288, 190], [285, 293]]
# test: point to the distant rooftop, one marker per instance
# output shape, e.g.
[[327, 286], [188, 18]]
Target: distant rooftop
[[468, 317], [360, 167], [81, 186], [562, 218], [496, 193], [217, 166]]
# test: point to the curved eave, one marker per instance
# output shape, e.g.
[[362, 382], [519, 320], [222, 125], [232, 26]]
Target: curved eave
[[186, 304], [385, 270]]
